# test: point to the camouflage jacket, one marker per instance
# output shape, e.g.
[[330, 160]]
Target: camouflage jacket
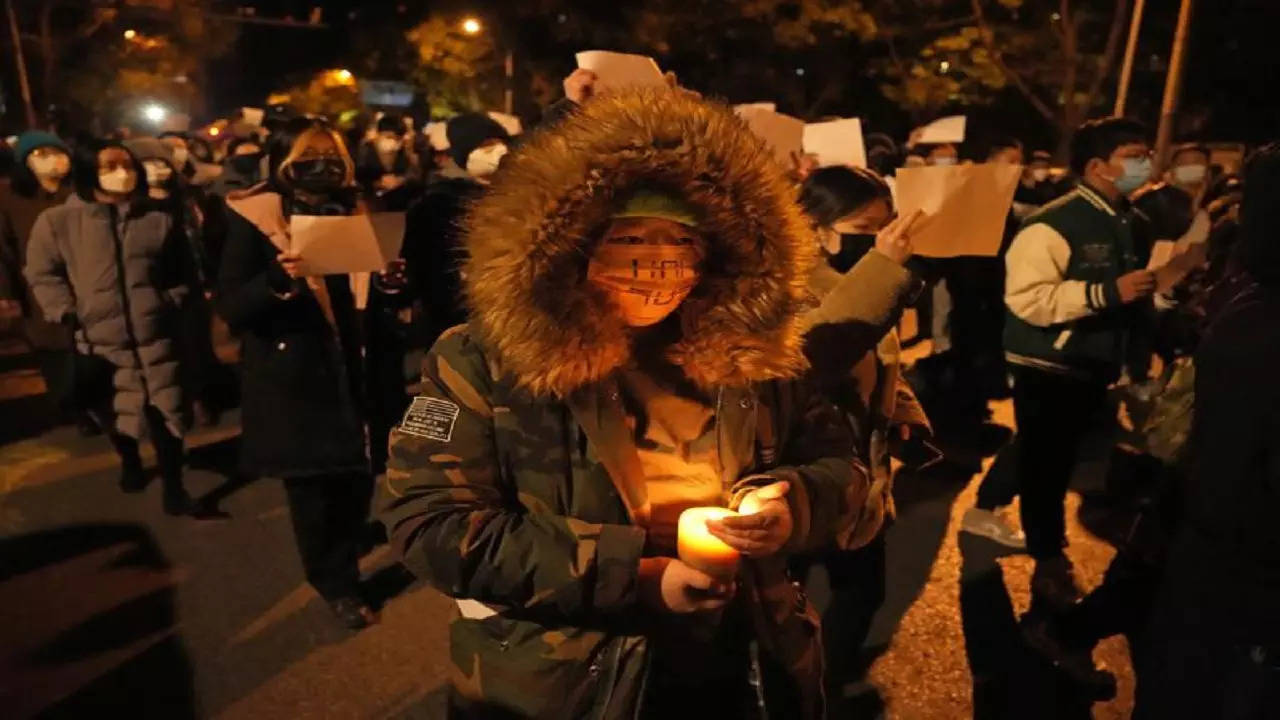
[[497, 498]]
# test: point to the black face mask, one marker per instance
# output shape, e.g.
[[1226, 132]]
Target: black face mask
[[321, 176], [246, 164], [852, 248]]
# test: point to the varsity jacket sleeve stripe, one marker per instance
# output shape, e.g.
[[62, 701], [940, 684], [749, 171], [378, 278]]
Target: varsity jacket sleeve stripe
[[1035, 288]]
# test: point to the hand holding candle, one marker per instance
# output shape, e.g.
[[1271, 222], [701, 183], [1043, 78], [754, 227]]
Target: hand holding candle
[[701, 550], [762, 526]]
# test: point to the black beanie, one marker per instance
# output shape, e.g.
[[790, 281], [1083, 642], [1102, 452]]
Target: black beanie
[[468, 132]]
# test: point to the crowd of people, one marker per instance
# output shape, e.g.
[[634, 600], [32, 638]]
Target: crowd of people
[[634, 310]]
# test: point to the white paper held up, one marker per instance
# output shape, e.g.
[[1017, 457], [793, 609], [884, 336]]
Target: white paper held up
[[965, 206], [621, 70], [947, 130], [252, 115], [771, 107], [837, 142], [783, 133], [436, 135], [510, 123], [335, 244]]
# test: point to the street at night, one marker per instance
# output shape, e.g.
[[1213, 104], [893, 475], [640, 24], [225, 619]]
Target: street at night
[[644, 360]]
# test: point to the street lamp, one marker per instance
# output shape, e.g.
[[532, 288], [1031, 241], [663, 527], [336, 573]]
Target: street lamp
[[130, 34], [472, 26], [154, 113]]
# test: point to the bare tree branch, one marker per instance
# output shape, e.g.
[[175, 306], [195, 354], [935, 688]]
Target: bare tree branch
[[988, 39], [1070, 61], [906, 30], [1109, 54]]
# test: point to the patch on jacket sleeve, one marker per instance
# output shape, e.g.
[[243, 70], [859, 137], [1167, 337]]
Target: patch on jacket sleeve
[[431, 418]]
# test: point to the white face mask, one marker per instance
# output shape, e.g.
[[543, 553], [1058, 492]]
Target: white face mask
[[943, 161], [119, 181], [387, 145], [1189, 174], [158, 172], [180, 157], [1040, 174], [483, 162], [55, 166]]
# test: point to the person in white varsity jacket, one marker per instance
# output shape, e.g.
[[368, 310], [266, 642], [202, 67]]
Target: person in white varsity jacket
[[1070, 273]]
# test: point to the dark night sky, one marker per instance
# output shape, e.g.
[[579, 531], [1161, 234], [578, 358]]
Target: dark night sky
[[1232, 66]]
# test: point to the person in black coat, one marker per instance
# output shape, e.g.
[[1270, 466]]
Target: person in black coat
[[386, 168], [1216, 641], [305, 384], [432, 244]]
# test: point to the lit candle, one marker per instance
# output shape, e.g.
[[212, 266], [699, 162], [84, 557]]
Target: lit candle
[[701, 550]]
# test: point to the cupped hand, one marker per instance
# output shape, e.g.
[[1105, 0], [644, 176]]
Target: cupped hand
[[763, 525], [668, 585]]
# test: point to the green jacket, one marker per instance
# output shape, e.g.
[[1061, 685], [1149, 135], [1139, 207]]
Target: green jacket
[[1065, 314], [511, 483], [491, 495]]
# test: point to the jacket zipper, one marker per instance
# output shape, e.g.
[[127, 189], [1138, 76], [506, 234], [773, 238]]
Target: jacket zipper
[[130, 336]]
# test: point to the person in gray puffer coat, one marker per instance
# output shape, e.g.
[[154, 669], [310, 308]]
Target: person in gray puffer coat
[[113, 267]]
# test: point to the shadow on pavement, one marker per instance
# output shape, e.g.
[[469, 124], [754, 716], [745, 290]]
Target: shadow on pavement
[[91, 608], [1009, 680]]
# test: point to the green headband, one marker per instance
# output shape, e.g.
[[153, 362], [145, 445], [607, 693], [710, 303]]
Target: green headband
[[656, 204]]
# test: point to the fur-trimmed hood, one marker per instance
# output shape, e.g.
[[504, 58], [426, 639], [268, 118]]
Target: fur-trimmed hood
[[531, 235]]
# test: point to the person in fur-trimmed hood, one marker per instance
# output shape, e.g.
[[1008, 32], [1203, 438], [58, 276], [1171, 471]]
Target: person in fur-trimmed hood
[[637, 275]]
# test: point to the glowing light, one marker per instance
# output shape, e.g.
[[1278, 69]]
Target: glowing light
[[471, 26], [130, 34], [213, 131], [800, 72], [344, 75], [154, 113], [944, 66]]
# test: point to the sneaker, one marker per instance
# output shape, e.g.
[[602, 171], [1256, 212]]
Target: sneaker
[[352, 613], [987, 524], [1053, 585]]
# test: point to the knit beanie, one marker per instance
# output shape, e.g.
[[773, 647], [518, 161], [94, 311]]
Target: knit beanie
[[32, 139], [650, 203], [468, 132]]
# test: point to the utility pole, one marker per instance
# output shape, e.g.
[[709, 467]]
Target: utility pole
[[1126, 70], [21, 63], [1173, 84], [508, 95]]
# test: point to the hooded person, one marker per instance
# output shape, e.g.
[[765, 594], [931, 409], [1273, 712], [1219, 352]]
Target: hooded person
[[39, 181], [114, 269], [432, 246], [637, 275]]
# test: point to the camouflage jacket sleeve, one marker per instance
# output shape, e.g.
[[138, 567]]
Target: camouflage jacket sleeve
[[457, 521], [829, 482], [855, 314]]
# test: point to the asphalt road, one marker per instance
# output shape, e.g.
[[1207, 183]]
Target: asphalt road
[[106, 604]]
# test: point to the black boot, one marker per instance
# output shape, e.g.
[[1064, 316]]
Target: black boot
[[1053, 585], [176, 499], [353, 613], [1044, 637], [133, 478]]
